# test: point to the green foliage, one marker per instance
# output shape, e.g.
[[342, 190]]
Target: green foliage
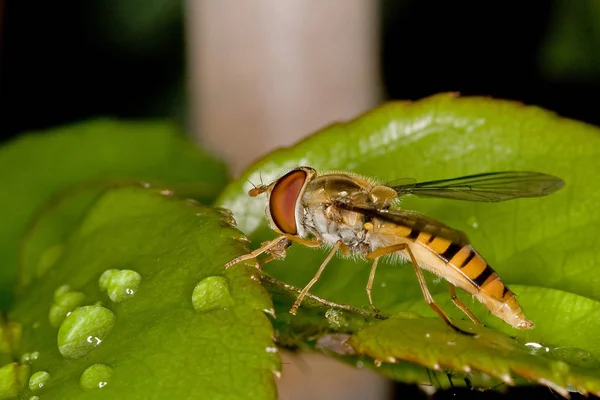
[[544, 248], [122, 286], [36, 167], [159, 342]]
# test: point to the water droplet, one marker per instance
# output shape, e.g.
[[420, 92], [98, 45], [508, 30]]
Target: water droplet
[[34, 398], [451, 343], [427, 335], [61, 290], [120, 285], [472, 222], [27, 358], [383, 284], [64, 303], [106, 278], [360, 364], [575, 355], [391, 360], [537, 348], [271, 349], [38, 380], [211, 293], [96, 376], [84, 329], [336, 318], [13, 378]]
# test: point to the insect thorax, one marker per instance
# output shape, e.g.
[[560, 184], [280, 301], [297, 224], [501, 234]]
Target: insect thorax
[[326, 222]]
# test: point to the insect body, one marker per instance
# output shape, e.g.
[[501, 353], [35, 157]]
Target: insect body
[[356, 215]]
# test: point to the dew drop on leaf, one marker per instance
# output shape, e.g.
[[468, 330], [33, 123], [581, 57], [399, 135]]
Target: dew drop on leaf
[[38, 380], [472, 222], [575, 355], [96, 376], [65, 301], [27, 358], [537, 348], [211, 293], [84, 329], [120, 285], [335, 318]]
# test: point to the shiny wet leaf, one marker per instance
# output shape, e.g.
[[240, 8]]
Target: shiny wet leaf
[[543, 248]]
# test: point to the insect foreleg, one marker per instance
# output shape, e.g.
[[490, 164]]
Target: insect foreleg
[[303, 242], [279, 251], [462, 306], [315, 278]]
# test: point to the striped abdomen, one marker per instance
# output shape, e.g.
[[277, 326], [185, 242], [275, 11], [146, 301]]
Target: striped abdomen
[[486, 283], [446, 252]]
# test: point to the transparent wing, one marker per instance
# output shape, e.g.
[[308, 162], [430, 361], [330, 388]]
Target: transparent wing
[[487, 187], [409, 219]]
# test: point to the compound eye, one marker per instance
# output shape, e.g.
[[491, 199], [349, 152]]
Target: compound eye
[[284, 197]]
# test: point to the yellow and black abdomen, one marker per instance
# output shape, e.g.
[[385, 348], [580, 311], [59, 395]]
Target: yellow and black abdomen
[[485, 284]]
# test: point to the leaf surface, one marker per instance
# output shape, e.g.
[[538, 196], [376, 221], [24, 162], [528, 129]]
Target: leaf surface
[[138, 302], [36, 167], [545, 249]]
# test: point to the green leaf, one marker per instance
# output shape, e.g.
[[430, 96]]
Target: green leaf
[[429, 342], [161, 317], [36, 167], [543, 248]]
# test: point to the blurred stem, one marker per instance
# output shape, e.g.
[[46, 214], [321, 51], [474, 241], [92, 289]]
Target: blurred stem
[[265, 73]]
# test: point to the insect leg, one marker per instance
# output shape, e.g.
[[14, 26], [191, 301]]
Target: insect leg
[[428, 296], [264, 248], [374, 255], [421, 279], [462, 306], [370, 284], [303, 242], [315, 278]]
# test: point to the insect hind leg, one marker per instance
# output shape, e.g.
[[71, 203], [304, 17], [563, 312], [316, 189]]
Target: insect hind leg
[[462, 306], [428, 298]]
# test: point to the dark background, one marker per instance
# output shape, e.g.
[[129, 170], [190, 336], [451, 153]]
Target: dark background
[[65, 61], [69, 60]]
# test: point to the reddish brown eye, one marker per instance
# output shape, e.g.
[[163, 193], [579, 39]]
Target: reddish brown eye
[[283, 201]]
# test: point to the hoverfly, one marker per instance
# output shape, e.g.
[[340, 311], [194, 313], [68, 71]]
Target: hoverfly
[[356, 215]]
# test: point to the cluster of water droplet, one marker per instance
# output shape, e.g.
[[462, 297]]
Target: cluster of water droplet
[[81, 328], [120, 285], [65, 301]]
